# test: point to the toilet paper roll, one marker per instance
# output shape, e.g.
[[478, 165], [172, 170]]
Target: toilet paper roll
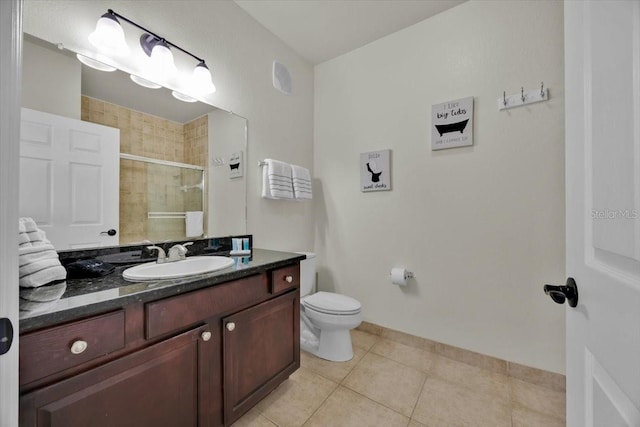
[[399, 276]]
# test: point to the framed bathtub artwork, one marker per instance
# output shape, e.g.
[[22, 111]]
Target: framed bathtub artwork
[[375, 171], [235, 165], [452, 124]]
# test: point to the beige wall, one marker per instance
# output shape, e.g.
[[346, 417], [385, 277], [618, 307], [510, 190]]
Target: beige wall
[[50, 81], [481, 227], [240, 53]]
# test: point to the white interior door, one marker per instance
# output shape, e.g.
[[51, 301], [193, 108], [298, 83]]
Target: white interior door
[[602, 76], [10, 72], [69, 179]]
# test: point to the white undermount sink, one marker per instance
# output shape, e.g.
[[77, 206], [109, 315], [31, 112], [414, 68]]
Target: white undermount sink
[[172, 270]]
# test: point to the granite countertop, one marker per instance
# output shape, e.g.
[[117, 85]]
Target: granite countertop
[[85, 297]]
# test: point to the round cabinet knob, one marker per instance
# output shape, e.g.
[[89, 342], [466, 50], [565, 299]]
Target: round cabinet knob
[[206, 336], [231, 326], [289, 279], [79, 346]]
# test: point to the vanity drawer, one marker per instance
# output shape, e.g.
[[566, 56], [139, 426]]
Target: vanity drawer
[[285, 278], [52, 350], [181, 311]]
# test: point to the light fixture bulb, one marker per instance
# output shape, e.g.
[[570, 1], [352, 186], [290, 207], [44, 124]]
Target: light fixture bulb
[[161, 61], [182, 97], [94, 63], [202, 82], [108, 36], [144, 82]]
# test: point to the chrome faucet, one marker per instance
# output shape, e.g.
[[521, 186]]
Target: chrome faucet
[[162, 256], [178, 252]]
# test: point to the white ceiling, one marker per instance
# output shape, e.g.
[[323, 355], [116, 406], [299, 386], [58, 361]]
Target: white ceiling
[[319, 30]]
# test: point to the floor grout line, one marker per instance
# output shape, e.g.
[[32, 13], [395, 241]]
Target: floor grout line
[[321, 404], [429, 373], [375, 401], [419, 396]]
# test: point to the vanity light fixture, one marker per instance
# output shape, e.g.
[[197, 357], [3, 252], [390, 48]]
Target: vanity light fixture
[[202, 79], [182, 97], [160, 57], [144, 82], [109, 38], [94, 63]]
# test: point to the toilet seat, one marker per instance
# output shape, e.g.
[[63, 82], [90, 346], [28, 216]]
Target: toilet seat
[[332, 303]]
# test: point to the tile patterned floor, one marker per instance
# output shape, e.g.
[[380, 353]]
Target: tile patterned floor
[[391, 382]]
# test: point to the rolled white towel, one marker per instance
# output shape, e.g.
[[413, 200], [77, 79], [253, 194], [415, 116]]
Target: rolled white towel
[[29, 234], [47, 293], [27, 224], [33, 307], [39, 266], [38, 260], [33, 238], [29, 261], [48, 271]]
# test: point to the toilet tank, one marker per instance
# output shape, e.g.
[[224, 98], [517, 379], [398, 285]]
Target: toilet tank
[[307, 273]]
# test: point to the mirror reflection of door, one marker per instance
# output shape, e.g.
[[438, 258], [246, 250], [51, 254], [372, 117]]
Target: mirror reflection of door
[[69, 179], [155, 126]]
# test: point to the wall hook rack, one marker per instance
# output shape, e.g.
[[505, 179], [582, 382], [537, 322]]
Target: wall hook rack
[[523, 98]]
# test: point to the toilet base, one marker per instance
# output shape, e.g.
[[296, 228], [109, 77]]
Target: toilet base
[[335, 346]]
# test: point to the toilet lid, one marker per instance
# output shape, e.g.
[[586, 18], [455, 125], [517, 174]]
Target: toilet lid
[[330, 303]]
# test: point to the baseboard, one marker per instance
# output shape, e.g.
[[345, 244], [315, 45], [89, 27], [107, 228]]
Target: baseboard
[[536, 376]]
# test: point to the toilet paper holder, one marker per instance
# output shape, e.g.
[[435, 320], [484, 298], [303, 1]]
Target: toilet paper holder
[[400, 276]]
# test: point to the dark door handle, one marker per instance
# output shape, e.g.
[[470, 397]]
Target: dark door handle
[[110, 232], [567, 292], [6, 335]]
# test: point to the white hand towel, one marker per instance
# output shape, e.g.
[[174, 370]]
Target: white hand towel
[[301, 182], [38, 259], [276, 180], [194, 223]]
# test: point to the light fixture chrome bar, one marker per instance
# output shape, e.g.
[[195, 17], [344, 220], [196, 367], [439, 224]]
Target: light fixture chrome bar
[[111, 11]]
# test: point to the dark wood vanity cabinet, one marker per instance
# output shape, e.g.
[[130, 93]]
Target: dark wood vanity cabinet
[[201, 358], [156, 386], [261, 348]]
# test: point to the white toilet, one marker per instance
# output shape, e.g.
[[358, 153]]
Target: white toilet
[[325, 317]]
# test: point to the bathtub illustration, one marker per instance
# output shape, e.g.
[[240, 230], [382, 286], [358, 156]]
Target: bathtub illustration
[[452, 127]]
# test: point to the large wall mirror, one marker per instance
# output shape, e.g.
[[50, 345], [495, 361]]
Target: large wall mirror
[[177, 162]]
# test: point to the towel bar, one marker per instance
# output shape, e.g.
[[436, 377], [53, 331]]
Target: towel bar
[[166, 215]]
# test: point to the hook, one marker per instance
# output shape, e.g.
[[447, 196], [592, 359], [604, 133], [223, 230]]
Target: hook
[[522, 93], [504, 98], [541, 89]]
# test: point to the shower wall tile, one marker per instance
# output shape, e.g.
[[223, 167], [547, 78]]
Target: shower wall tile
[[145, 135]]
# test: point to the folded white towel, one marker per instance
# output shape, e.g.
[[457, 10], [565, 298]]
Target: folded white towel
[[301, 182], [194, 223], [276, 180], [38, 259]]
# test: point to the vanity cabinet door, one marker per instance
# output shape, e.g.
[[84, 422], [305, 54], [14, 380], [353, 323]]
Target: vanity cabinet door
[[158, 386], [261, 348]]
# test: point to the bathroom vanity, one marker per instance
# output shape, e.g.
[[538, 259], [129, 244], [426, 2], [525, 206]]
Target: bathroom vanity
[[197, 351]]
